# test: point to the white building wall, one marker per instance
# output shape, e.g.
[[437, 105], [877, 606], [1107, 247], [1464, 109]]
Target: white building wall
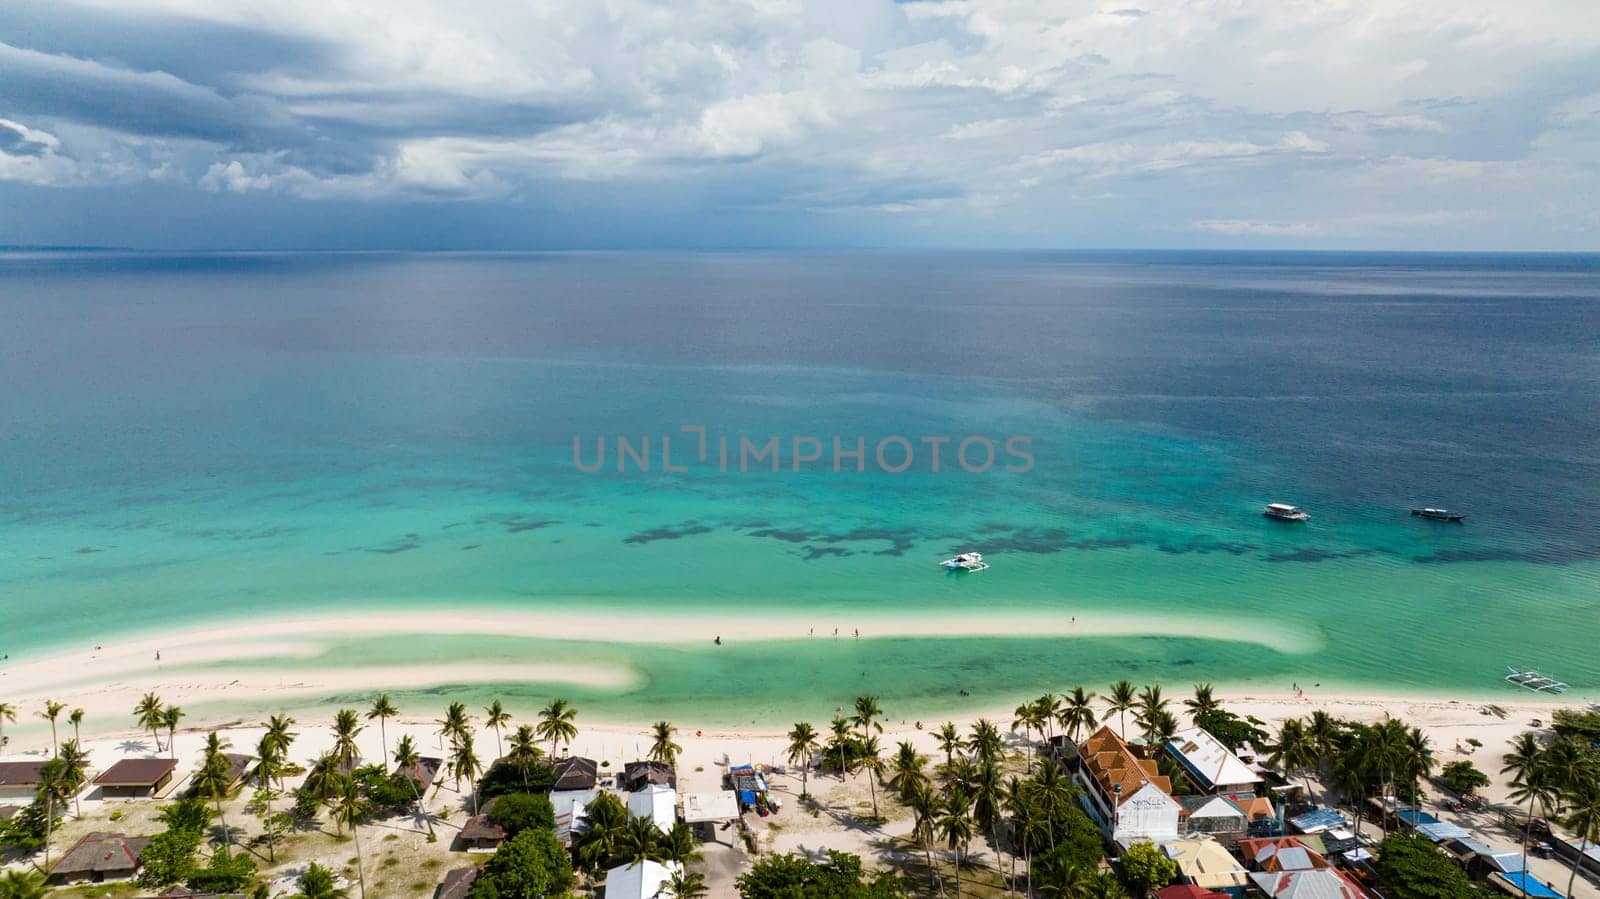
[[1148, 815]]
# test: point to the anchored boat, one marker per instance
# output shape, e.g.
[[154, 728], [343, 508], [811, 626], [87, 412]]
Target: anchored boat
[[1284, 512], [1438, 514], [965, 562], [1534, 681]]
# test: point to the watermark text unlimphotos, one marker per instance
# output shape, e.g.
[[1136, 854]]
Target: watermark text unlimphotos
[[697, 448]]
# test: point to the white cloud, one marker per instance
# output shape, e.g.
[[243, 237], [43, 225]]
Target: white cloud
[[1245, 228]]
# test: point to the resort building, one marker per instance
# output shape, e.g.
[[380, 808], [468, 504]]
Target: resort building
[[657, 804], [1208, 865], [640, 880], [19, 781], [135, 778], [1124, 792], [423, 772], [1209, 765], [97, 858]]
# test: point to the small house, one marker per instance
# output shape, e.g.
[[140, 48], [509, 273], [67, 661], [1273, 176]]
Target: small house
[[575, 773], [135, 778], [640, 880], [658, 804], [1210, 766], [1206, 864], [1217, 817], [423, 772], [638, 775], [480, 834], [97, 858], [19, 781]]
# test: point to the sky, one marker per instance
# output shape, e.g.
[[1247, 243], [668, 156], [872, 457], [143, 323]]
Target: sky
[[511, 124]]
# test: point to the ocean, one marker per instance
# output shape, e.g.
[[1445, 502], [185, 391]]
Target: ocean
[[190, 439]]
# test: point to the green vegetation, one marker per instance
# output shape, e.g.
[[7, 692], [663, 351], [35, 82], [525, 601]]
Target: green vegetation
[[531, 865], [1144, 868], [1231, 730], [1463, 778], [1411, 868], [516, 812], [793, 877]]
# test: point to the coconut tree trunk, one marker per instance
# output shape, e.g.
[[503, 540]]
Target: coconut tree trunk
[[1527, 829], [361, 877], [49, 827], [1573, 877]]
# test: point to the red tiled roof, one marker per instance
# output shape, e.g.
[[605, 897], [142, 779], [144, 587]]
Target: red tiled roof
[[1112, 763], [1188, 891]]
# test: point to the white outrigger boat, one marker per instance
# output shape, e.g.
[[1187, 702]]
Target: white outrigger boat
[[1534, 681], [965, 562]]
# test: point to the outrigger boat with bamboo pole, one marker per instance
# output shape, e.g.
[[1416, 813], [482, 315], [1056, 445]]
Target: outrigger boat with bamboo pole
[[965, 562], [1534, 681]]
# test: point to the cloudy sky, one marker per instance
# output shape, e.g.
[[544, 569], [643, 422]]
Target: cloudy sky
[[1438, 124]]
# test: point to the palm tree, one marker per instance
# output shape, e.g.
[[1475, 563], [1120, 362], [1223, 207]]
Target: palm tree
[[23, 885], [687, 884], [872, 763], [269, 763], [596, 846], [348, 809], [497, 717], [909, 776], [55, 787], [317, 883], [955, 825], [558, 723], [282, 738], [840, 727], [212, 778], [985, 743], [346, 727], [1026, 717], [464, 763], [1294, 750], [383, 709], [925, 810], [1052, 791], [1150, 705], [1049, 709], [1203, 702], [1159, 728], [52, 710], [1119, 702], [456, 723], [170, 716], [75, 718], [1028, 823], [1324, 733], [75, 761], [639, 841], [524, 750], [949, 740], [323, 778], [867, 714], [663, 749], [8, 712], [406, 759], [802, 745], [679, 844], [148, 713], [1583, 816], [1530, 781], [1077, 712], [1349, 777], [988, 797]]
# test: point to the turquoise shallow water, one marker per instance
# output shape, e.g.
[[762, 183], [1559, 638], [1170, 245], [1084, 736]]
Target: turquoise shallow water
[[195, 439]]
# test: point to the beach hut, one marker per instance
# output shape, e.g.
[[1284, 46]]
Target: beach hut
[[640, 880], [97, 858], [19, 781], [575, 773], [457, 884], [135, 778], [480, 834], [638, 775], [423, 772]]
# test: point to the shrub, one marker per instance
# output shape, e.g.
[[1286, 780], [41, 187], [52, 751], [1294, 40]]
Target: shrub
[[516, 812], [1463, 778], [787, 876], [530, 865]]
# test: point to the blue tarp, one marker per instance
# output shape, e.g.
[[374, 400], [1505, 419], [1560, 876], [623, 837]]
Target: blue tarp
[[1319, 820], [1415, 817], [1531, 886]]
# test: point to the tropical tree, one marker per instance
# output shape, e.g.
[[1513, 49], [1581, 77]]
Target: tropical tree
[[1203, 702], [8, 712], [558, 723], [269, 764], [170, 716], [1149, 708], [1053, 791], [456, 723], [383, 709], [524, 750], [1294, 750], [1159, 728], [872, 764], [985, 743], [317, 883], [322, 781], [52, 711], [55, 787], [282, 738], [1028, 719], [497, 717], [988, 799], [680, 845], [802, 746], [840, 728], [148, 714], [663, 749], [75, 718], [1120, 701], [75, 762], [1583, 816], [212, 779], [949, 740], [406, 760], [955, 825], [908, 776], [925, 812], [596, 845], [1077, 713], [23, 885], [346, 727], [349, 808], [639, 841], [867, 714], [464, 762], [1535, 787], [687, 884]]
